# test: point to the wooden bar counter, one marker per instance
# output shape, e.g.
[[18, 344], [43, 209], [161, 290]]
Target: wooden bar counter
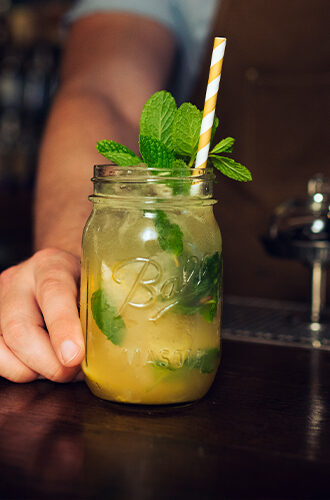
[[262, 432]]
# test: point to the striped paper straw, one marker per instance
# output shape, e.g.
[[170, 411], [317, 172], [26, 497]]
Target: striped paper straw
[[210, 102]]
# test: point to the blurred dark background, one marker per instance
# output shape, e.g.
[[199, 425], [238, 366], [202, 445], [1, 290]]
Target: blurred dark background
[[274, 99], [30, 49]]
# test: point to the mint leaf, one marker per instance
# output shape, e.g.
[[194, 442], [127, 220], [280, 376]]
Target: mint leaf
[[224, 146], [200, 294], [157, 117], [154, 153], [209, 310], [214, 127], [169, 234], [180, 169], [231, 168], [107, 318], [117, 153], [186, 130], [205, 361]]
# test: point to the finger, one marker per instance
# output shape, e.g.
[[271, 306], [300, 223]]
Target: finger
[[80, 377], [22, 327], [12, 368], [56, 293]]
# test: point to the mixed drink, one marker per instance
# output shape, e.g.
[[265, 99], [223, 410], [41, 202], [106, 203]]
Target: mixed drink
[[151, 319], [151, 279]]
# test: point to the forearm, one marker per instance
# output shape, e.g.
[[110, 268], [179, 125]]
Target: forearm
[[66, 166], [100, 98]]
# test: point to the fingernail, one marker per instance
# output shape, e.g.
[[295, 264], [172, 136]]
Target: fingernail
[[69, 350]]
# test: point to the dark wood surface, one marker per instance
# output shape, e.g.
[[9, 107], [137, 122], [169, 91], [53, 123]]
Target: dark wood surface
[[262, 432]]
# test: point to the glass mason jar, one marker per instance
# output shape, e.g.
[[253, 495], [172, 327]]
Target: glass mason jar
[[151, 285]]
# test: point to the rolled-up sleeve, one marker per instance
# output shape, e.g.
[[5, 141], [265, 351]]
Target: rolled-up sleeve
[[189, 20]]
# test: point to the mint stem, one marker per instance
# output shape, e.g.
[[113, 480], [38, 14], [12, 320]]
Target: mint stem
[[191, 163]]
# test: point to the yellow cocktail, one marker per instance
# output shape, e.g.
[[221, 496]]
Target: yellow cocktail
[[150, 289]]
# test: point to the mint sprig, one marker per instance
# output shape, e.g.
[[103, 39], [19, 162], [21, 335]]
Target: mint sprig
[[169, 140], [170, 236], [180, 169], [155, 153], [168, 135], [224, 146], [157, 117], [186, 128], [117, 153], [231, 168]]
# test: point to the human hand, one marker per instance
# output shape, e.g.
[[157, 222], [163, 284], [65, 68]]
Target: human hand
[[40, 332]]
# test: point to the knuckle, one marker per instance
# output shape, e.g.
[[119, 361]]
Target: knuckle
[[50, 283], [47, 258], [55, 256], [56, 270], [7, 276], [55, 281], [13, 331], [45, 254]]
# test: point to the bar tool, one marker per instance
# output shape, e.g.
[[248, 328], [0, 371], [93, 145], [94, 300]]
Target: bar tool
[[300, 229]]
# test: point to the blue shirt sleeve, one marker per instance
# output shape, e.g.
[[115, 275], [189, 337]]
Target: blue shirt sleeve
[[189, 20]]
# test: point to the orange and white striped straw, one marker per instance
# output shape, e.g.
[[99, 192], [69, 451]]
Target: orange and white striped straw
[[210, 102]]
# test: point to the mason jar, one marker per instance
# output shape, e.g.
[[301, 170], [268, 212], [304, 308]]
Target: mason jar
[[151, 285]]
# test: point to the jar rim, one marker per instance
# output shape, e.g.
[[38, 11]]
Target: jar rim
[[110, 172], [138, 183]]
